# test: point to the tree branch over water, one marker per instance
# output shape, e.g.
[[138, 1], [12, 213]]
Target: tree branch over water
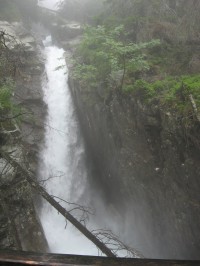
[[115, 244], [83, 211], [31, 180], [97, 237]]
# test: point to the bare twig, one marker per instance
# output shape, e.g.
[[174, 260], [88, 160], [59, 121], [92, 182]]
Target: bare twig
[[6, 118], [115, 244], [85, 211]]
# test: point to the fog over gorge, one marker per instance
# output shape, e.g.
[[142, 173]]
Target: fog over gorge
[[52, 4], [99, 129]]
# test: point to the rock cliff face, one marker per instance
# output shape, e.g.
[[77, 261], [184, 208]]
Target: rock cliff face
[[19, 225], [147, 160], [62, 30]]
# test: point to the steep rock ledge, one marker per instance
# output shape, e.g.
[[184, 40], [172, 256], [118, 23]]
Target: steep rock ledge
[[62, 30], [19, 225], [147, 160]]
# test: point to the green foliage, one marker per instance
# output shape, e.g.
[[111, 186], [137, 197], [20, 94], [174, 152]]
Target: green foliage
[[6, 83], [112, 54], [6, 89], [172, 59], [8, 64], [102, 53], [86, 74], [173, 91]]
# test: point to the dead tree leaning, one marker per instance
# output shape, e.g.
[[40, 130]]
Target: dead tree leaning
[[32, 181]]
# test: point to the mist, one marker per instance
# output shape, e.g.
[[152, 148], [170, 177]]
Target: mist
[[51, 4], [107, 139]]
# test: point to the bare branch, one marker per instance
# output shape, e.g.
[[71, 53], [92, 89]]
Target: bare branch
[[6, 118], [85, 211], [49, 178], [31, 180], [115, 244]]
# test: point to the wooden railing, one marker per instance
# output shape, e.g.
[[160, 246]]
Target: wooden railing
[[30, 258]]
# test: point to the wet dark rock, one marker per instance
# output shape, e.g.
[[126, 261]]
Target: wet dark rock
[[147, 162], [22, 229], [61, 29], [66, 31]]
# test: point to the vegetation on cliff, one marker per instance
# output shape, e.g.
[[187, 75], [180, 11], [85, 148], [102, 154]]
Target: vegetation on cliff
[[16, 204], [144, 48], [149, 131], [7, 70], [103, 55], [10, 50]]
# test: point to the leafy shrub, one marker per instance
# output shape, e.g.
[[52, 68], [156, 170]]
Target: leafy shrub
[[171, 90], [102, 53], [6, 89]]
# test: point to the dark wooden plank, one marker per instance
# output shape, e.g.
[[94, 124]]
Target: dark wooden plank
[[30, 258]]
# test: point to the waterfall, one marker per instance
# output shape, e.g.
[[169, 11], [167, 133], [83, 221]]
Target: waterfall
[[62, 167]]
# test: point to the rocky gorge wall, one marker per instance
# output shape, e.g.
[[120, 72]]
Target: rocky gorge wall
[[147, 162], [19, 225]]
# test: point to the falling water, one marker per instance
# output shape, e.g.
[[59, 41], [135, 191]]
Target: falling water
[[62, 167]]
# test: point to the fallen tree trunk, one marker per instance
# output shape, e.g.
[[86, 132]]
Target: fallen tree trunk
[[39, 189]]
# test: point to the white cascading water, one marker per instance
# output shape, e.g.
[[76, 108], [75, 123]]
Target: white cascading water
[[62, 157]]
